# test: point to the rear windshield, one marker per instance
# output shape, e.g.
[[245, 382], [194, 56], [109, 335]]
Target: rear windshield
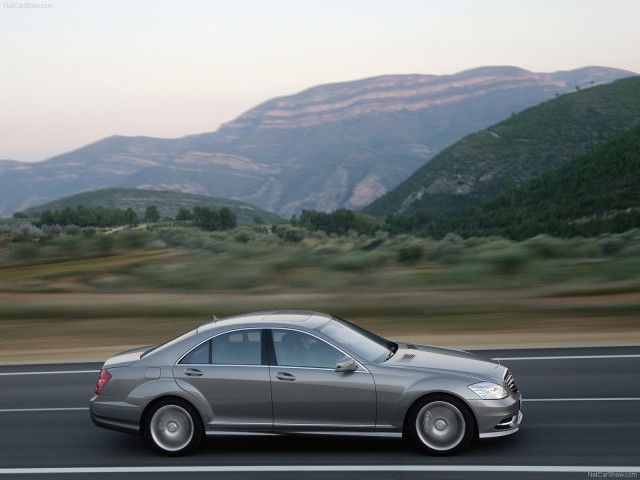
[[162, 346]]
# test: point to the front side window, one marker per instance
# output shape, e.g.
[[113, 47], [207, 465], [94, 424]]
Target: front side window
[[242, 347], [299, 349]]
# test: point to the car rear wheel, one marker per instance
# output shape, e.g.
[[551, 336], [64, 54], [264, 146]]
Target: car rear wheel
[[174, 427], [440, 425]]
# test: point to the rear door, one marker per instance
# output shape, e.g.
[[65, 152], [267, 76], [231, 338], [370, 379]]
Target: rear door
[[230, 376], [307, 392]]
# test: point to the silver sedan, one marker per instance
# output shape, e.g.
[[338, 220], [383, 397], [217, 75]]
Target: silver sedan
[[303, 372]]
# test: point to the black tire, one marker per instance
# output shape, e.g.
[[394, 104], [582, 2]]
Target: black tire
[[174, 427], [440, 425]]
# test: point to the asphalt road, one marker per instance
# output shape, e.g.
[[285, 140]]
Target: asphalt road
[[581, 420]]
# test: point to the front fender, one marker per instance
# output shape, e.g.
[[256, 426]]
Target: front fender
[[399, 390]]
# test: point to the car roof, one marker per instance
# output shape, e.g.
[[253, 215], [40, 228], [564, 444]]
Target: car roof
[[308, 319]]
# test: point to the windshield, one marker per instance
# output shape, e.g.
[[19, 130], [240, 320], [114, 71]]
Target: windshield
[[360, 341]]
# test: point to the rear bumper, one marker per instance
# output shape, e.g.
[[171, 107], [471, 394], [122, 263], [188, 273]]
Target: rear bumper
[[110, 415]]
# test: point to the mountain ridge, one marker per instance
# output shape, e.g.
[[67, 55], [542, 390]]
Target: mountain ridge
[[591, 195], [516, 150], [327, 147]]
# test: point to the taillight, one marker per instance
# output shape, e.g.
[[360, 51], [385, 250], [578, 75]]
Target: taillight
[[102, 381]]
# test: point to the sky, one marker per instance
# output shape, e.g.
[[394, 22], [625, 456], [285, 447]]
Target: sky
[[75, 72]]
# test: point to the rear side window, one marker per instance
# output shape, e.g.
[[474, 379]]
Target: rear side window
[[237, 348], [242, 347], [198, 355]]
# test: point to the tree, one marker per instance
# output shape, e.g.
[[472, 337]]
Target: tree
[[228, 219], [84, 216], [152, 214], [206, 218], [46, 218], [184, 214], [132, 217]]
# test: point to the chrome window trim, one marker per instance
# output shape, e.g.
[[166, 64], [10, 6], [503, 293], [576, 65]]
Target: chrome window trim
[[260, 329], [364, 369], [318, 368], [220, 365]]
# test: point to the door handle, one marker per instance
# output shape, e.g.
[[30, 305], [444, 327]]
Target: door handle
[[193, 372], [287, 377]]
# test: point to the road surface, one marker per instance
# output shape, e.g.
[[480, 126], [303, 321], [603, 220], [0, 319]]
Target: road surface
[[581, 420]]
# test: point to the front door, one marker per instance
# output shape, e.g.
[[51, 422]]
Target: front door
[[307, 392]]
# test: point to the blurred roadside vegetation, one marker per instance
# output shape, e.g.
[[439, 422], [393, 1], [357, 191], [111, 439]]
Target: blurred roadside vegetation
[[85, 286]]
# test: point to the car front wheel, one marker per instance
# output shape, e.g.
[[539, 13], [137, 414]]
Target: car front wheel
[[440, 425], [174, 427]]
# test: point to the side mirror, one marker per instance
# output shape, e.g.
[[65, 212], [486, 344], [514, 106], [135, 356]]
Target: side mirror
[[346, 365]]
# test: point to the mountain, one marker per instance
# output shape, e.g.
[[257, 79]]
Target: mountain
[[331, 146], [168, 203], [594, 194], [516, 150]]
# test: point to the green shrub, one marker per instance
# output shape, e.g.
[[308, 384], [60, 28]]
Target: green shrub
[[244, 235], [105, 244], [611, 244], [411, 252], [507, 260], [72, 230], [134, 239], [70, 245], [356, 260], [545, 246], [290, 234], [449, 247], [25, 250]]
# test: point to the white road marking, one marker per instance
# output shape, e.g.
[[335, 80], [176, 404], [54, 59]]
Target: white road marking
[[53, 409], [630, 399], [567, 357], [324, 468], [6, 374]]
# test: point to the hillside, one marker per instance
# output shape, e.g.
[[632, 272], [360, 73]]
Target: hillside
[[516, 150], [331, 146], [168, 203], [595, 194]]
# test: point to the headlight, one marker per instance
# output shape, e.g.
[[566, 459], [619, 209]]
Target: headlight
[[489, 390]]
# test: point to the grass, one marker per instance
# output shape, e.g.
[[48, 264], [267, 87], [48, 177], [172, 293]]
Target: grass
[[150, 293]]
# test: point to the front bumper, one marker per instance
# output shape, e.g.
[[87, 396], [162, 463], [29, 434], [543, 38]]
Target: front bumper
[[496, 418], [505, 428]]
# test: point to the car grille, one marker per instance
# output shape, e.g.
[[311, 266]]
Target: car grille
[[510, 381]]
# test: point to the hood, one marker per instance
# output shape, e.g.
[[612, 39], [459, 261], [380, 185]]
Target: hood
[[125, 359], [424, 356]]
